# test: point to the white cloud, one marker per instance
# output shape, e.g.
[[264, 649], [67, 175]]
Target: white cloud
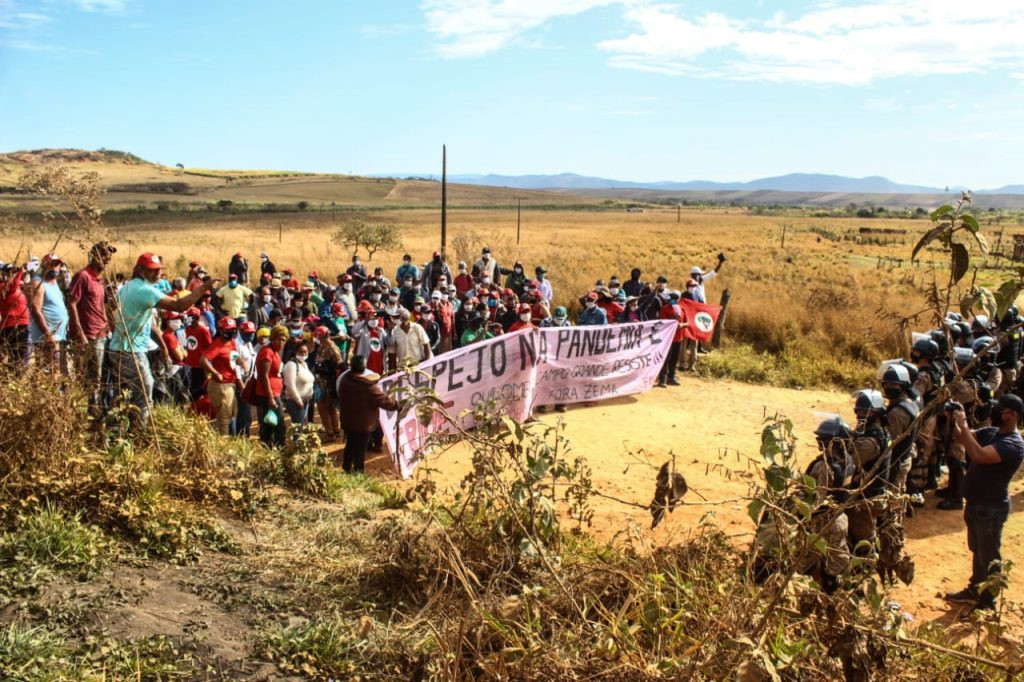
[[473, 28], [850, 44], [830, 43]]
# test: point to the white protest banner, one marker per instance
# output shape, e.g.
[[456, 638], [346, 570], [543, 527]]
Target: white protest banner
[[547, 366]]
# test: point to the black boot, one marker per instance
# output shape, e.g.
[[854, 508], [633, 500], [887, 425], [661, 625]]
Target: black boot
[[955, 495]]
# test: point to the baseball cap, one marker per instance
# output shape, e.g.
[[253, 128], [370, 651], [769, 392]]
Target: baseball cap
[[524, 307], [193, 312], [171, 315], [149, 261], [227, 323], [436, 295], [561, 313], [403, 313], [695, 270], [248, 326], [1009, 401], [321, 332], [592, 296], [263, 332]]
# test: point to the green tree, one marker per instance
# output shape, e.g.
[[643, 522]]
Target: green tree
[[371, 237]]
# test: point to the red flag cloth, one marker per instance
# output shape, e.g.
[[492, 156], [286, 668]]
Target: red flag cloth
[[702, 318]]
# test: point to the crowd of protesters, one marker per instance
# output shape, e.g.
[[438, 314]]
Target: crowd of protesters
[[265, 346]]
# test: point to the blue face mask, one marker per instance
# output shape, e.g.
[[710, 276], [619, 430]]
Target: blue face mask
[[247, 336], [491, 303], [232, 284]]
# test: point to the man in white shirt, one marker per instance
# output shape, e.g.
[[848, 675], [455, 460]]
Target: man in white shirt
[[408, 342], [695, 285]]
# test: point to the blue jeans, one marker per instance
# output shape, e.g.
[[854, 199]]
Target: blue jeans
[[130, 372], [298, 412], [984, 538]]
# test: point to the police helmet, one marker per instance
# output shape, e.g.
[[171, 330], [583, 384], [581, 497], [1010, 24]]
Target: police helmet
[[963, 356], [1010, 317], [897, 374], [911, 368], [868, 400], [985, 344], [980, 324], [925, 348], [940, 339], [832, 428], [953, 316], [961, 331]]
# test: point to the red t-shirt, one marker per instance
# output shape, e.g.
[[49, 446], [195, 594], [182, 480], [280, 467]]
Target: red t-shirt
[[276, 383], [222, 354], [673, 312], [171, 341], [517, 325], [87, 293], [612, 309], [197, 340], [463, 283], [375, 360], [13, 304]]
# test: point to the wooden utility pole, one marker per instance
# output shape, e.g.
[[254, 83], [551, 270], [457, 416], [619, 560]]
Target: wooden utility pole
[[519, 213], [784, 235], [679, 213], [716, 335], [444, 198]]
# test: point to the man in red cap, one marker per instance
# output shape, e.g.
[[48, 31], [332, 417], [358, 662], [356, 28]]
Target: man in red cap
[[432, 274], [48, 315], [239, 267], [524, 321], [198, 338], [224, 365], [346, 296], [127, 348]]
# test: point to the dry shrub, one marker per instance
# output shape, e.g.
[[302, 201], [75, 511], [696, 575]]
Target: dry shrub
[[42, 422]]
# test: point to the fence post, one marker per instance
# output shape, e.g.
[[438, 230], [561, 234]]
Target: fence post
[[716, 335]]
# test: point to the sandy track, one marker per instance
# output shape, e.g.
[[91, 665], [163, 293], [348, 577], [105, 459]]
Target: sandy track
[[704, 423]]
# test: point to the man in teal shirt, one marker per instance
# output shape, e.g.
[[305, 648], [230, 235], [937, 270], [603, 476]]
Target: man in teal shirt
[[129, 364]]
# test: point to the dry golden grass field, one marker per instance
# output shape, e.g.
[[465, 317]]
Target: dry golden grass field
[[818, 310]]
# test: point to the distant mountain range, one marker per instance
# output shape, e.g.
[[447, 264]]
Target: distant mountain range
[[793, 182]]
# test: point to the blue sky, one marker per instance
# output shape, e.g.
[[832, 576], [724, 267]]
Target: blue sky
[[921, 91]]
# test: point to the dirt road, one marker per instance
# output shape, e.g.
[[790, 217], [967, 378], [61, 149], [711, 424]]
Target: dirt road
[[712, 427]]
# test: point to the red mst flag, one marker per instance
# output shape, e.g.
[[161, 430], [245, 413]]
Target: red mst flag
[[702, 318]]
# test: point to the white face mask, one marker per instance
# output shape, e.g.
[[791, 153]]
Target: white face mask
[[525, 317], [373, 323], [614, 290], [302, 357], [346, 287], [266, 299], [591, 304], [174, 325], [487, 256], [485, 280]]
